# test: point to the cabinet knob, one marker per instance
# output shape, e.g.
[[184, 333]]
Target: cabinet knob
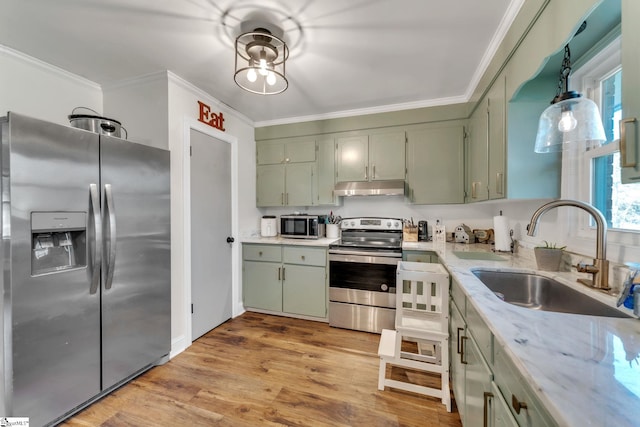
[[517, 405], [302, 257], [260, 253]]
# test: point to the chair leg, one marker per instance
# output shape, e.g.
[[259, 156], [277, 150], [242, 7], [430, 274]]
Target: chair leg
[[382, 373]]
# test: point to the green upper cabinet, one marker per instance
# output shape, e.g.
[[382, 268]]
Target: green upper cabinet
[[630, 142], [373, 157], [497, 138], [326, 175], [286, 172], [352, 158], [435, 165], [289, 150], [386, 155], [478, 153]]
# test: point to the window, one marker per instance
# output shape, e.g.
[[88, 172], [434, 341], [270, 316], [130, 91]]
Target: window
[[601, 80], [593, 176]]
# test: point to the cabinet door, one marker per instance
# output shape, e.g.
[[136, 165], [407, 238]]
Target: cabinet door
[[478, 154], [499, 412], [435, 165], [269, 152], [630, 145], [478, 379], [300, 150], [386, 156], [261, 285], [299, 184], [352, 158], [270, 185], [326, 172], [304, 290], [456, 333], [497, 138]]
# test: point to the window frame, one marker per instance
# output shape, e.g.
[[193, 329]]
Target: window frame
[[622, 245]]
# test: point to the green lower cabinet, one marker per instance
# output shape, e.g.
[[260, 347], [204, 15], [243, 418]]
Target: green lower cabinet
[[285, 279], [498, 409], [304, 290], [262, 287]]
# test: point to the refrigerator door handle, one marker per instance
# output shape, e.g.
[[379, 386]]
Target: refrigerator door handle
[[111, 242], [94, 208]]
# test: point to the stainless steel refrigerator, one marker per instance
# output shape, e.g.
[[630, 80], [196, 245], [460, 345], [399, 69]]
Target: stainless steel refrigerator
[[86, 266]]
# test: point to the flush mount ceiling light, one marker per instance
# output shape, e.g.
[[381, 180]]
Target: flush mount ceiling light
[[570, 118], [261, 53]]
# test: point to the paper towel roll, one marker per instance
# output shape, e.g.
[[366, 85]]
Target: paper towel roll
[[501, 233]]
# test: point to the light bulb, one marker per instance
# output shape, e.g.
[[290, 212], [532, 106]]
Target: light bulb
[[567, 122], [271, 79], [252, 75], [263, 67]]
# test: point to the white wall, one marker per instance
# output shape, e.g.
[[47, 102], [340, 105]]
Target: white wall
[[183, 108], [34, 88]]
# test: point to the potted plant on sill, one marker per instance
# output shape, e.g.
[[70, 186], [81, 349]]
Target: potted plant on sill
[[549, 256]]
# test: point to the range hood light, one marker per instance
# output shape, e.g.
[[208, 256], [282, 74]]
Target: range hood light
[[372, 188]]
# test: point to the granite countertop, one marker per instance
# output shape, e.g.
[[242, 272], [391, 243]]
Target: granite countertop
[[278, 240], [584, 369]]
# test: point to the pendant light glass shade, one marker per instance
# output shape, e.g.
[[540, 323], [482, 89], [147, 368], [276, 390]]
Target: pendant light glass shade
[[572, 121]]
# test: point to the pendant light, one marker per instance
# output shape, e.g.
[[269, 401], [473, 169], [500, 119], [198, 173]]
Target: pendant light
[[261, 54], [570, 119]]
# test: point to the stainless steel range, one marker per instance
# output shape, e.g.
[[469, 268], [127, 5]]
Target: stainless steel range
[[362, 277]]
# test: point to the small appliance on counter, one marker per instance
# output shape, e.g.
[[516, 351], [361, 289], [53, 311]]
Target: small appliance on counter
[[423, 232], [301, 226], [268, 226]]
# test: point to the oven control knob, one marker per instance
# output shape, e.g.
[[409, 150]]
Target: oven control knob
[[384, 287], [388, 224], [396, 224]]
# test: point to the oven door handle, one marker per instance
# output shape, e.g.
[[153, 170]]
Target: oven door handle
[[364, 258]]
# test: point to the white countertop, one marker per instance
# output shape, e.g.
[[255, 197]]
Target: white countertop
[[278, 240], [584, 369]]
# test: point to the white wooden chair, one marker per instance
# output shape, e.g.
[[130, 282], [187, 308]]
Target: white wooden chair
[[422, 317]]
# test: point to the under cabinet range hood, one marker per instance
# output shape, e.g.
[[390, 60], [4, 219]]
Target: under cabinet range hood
[[370, 188]]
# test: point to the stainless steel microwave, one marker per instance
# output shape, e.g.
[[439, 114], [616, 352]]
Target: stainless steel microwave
[[301, 226]]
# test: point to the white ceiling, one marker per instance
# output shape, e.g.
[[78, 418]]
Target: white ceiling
[[345, 55]]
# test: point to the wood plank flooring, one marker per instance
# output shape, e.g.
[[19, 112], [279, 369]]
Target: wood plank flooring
[[261, 370]]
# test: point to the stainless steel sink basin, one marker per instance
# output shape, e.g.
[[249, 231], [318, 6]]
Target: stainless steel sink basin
[[542, 293]]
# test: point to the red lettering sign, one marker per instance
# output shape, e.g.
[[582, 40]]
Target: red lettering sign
[[212, 119]]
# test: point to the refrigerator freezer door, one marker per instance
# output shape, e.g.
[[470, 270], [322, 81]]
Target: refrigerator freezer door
[[136, 284], [54, 339]]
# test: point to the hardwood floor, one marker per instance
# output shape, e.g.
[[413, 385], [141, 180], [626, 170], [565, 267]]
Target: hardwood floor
[[258, 370]]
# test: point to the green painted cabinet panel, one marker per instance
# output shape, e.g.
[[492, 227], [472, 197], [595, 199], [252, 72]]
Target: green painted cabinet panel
[[261, 285], [352, 158], [304, 290], [304, 256], [326, 161], [299, 184], [435, 165], [387, 156], [497, 138], [478, 153], [499, 409], [420, 256], [630, 146], [478, 378], [289, 150], [270, 185]]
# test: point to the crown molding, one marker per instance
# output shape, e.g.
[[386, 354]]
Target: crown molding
[[38, 63]]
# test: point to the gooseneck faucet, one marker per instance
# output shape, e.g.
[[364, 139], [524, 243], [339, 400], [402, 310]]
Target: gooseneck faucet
[[600, 267]]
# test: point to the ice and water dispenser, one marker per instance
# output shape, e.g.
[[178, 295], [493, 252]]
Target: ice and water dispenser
[[58, 241]]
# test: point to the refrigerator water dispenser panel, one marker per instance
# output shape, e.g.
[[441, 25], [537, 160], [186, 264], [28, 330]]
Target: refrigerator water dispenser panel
[[58, 241]]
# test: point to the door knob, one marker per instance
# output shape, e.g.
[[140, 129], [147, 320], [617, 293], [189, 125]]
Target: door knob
[[230, 240]]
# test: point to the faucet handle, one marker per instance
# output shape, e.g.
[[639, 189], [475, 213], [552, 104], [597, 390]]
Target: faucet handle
[[583, 267]]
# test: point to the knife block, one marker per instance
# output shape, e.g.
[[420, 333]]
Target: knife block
[[410, 233]]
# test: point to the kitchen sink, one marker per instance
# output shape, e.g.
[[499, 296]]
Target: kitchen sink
[[537, 292]]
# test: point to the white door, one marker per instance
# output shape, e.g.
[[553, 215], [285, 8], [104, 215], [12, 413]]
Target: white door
[[210, 233]]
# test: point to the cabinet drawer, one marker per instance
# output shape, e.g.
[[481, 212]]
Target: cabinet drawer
[[458, 296], [305, 256], [514, 389], [481, 333], [262, 253]]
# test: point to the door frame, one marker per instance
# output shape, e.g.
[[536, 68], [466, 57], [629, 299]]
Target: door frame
[[189, 125]]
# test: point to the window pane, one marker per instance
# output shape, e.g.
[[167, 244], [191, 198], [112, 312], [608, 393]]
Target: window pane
[[619, 203], [612, 105]]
